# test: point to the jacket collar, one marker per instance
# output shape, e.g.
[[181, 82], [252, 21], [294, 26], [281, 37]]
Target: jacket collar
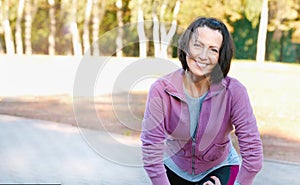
[[174, 85]]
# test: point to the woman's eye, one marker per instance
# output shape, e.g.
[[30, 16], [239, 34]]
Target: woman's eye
[[197, 45], [215, 51]]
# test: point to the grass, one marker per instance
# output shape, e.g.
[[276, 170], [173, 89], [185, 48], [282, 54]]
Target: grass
[[274, 92]]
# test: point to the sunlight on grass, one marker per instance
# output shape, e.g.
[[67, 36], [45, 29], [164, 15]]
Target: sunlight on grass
[[274, 92]]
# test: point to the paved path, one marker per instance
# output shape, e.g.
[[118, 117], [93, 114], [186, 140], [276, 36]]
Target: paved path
[[33, 151]]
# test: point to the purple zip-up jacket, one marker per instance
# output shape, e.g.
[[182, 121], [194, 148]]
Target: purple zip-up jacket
[[166, 129]]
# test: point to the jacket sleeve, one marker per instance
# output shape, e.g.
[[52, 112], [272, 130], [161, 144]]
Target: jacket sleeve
[[248, 135], [152, 137]]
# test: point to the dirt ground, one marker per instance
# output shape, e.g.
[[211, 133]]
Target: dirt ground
[[123, 116]]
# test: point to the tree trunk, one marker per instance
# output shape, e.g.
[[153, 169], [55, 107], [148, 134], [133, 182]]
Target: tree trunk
[[51, 38], [9, 44], [18, 32], [141, 31], [167, 37], [268, 42], [162, 40], [298, 53], [156, 39], [1, 48], [262, 33], [97, 18], [65, 31], [281, 54], [28, 24], [86, 33], [1, 30], [119, 42], [96, 25], [77, 48]]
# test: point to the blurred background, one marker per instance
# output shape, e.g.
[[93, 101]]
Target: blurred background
[[43, 41]]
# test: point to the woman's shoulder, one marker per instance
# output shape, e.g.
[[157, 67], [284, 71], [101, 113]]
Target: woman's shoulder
[[232, 83], [235, 87]]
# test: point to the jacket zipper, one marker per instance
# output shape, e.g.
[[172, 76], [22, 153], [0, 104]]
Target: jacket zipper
[[193, 155], [194, 142]]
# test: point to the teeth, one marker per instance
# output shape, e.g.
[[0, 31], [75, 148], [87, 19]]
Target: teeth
[[201, 64]]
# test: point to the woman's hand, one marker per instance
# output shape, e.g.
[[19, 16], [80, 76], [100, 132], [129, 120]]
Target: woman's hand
[[216, 179]]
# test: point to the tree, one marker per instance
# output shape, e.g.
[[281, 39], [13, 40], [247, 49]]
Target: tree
[[1, 29], [10, 48], [86, 33], [162, 40], [18, 32], [51, 38], [98, 15], [283, 17], [119, 42], [262, 33], [141, 30], [28, 26], [148, 9], [77, 48]]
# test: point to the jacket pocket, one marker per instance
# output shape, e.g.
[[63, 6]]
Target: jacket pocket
[[215, 151], [174, 147]]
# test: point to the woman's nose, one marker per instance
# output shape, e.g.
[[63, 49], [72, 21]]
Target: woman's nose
[[203, 55]]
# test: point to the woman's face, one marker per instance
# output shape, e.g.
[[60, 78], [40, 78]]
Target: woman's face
[[204, 49]]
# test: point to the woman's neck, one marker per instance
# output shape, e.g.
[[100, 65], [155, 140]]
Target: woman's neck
[[194, 85]]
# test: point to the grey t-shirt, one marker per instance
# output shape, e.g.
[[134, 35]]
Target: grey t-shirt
[[194, 105]]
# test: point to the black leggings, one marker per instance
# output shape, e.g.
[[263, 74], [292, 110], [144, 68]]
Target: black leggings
[[226, 175]]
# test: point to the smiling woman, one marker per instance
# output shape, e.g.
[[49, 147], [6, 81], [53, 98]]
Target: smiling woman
[[205, 45], [191, 112], [202, 57]]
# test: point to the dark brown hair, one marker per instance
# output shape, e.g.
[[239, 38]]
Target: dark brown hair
[[226, 51]]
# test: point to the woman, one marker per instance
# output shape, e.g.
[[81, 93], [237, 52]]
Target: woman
[[191, 112]]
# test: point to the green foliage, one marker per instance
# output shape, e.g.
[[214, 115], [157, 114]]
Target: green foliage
[[283, 50], [245, 38]]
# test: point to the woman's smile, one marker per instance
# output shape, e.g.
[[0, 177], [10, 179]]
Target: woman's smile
[[201, 65]]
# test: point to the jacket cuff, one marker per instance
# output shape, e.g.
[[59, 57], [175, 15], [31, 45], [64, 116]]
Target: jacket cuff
[[160, 180], [245, 177]]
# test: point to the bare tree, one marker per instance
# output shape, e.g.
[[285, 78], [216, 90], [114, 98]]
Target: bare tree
[[77, 48], [166, 37], [1, 28], [262, 33], [96, 24], [161, 37], [156, 36], [86, 33], [18, 32], [97, 19], [141, 31], [28, 25], [51, 38], [10, 49], [119, 42]]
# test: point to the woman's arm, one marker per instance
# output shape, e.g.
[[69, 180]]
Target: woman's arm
[[248, 135], [153, 136]]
